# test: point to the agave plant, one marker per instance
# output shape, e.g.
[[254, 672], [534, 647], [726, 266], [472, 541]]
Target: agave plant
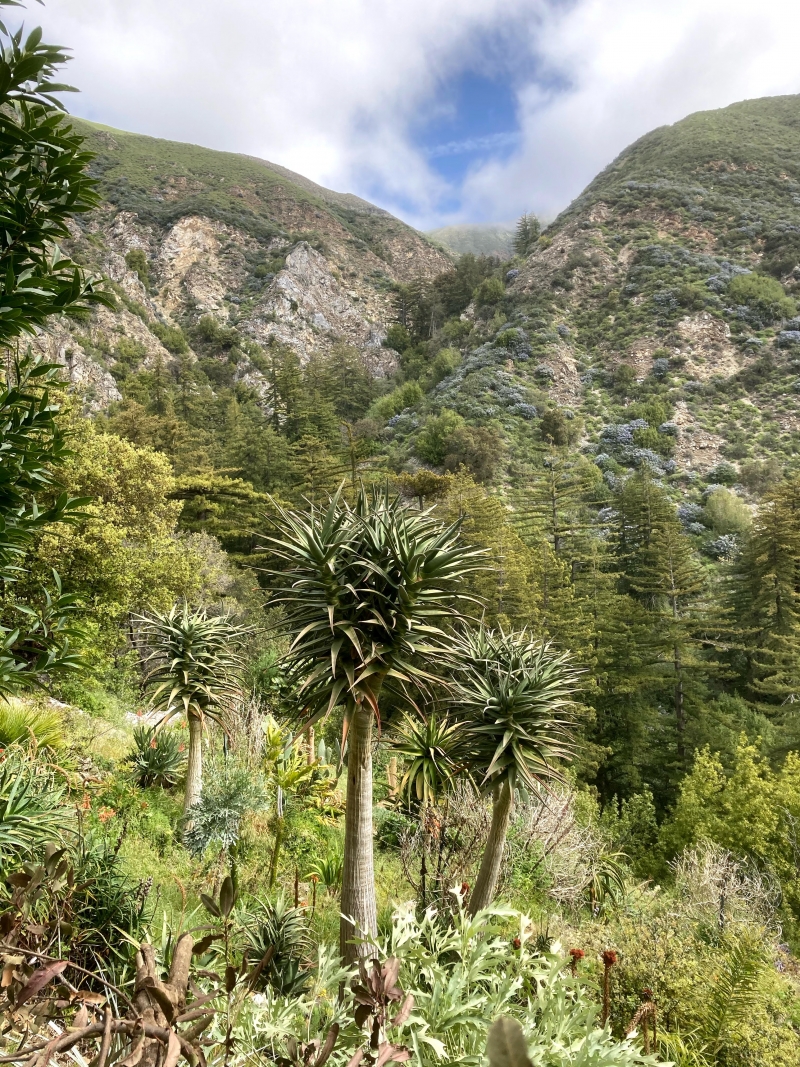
[[365, 590], [433, 751], [511, 694], [157, 757], [328, 869], [194, 671]]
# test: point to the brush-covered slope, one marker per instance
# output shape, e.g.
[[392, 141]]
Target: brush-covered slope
[[672, 278], [186, 232]]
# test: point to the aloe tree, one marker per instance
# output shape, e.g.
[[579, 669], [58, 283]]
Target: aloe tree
[[433, 752], [512, 694], [366, 589], [194, 670]]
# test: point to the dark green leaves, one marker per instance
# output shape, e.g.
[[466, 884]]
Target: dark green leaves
[[34, 638], [43, 184]]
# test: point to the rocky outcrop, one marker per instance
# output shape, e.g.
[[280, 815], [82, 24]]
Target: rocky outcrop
[[308, 309]]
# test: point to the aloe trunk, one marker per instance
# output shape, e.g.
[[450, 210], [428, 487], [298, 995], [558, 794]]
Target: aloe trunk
[[276, 851], [194, 766], [483, 893], [359, 909]]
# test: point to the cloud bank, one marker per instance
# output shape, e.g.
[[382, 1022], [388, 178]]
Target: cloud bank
[[338, 89]]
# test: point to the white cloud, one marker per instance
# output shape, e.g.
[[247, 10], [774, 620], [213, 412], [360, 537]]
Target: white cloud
[[331, 88], [632, 65]]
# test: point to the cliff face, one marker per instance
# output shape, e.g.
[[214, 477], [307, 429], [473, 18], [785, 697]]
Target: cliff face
[[186, 233]]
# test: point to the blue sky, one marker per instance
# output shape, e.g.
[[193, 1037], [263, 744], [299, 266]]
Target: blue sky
[[440, 110], [473, 119]]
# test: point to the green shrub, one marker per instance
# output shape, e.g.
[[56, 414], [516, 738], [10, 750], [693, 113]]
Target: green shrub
[[557, 429], [24, 723], [489, 293], [727, 513], [462, 973], [137, 261], [434, 438], [328, 869], [230, 793], [31, 811], [171, 337], [277, 925], [209, 331], [477, 448], [408, 395], [764, 294], [397, 337], [444, 363]]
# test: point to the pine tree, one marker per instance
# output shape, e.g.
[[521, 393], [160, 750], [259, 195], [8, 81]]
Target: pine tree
[[669, 580], [526, 234], [765, 596], [508, 585]]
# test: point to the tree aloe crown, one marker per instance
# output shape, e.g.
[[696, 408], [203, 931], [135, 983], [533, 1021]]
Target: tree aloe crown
[[433, 750], [365, 590], [513, 693], [195, 669]]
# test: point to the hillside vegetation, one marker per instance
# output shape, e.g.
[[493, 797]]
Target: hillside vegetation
[[396, 646]]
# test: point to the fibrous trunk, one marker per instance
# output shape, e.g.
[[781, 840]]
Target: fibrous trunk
[[359, 909], [483, 893], [194, 767]]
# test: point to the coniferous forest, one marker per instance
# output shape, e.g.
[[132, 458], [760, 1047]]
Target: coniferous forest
[[429, 700]]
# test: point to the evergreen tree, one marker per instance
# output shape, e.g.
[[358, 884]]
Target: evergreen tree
[[765, 598], [669, 580], [526, 234], [508, 586]]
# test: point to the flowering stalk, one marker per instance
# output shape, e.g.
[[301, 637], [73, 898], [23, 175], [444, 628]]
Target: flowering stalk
[[609, 959]]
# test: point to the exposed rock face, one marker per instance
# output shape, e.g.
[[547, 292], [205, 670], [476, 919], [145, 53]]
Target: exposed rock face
[[92, 381], [192, 271], [326, 262], [696, 449], [708, 347], [308, 309]]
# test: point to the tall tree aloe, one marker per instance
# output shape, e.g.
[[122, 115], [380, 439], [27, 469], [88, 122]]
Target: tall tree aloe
[[366, 590], [194, 670], [512, 694]]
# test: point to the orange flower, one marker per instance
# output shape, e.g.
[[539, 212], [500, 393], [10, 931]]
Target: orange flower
[[105, 814], [86, 802]]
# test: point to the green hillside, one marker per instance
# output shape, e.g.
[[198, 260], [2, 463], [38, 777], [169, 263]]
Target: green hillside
[[486, 239]]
